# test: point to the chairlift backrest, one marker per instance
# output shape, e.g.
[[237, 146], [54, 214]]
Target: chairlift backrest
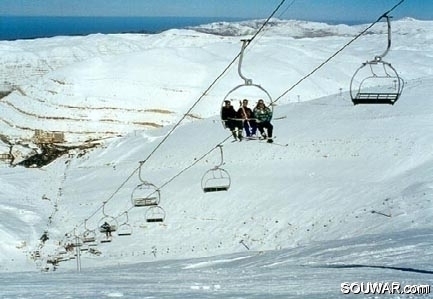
[[145, 194]]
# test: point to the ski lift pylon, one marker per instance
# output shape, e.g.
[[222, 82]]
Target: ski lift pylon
[[248, 84], [216, 179], [376, 81]]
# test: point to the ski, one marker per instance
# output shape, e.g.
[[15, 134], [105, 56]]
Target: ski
[[279, 144], [265, 140]]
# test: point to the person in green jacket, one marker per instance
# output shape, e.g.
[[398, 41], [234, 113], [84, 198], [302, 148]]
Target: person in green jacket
[[263, 116]]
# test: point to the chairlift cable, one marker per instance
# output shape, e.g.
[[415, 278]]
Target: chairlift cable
[[164, 184], [212, 84], [337, 52], [216, 80], [185, 115], [287, 8]]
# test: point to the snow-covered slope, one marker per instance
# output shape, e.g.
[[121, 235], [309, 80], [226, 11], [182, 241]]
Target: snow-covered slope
[[346, 172]]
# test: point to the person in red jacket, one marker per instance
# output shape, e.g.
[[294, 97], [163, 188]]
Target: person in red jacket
[[247, 116]]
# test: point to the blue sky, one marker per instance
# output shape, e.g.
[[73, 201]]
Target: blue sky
[[293, 9]]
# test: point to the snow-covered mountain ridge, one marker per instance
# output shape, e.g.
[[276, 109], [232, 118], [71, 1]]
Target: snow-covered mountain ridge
[[54, 80]]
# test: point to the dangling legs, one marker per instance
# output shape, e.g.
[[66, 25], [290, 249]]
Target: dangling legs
[[239, 127], [247, 128], [236, 128], [269, 128], [260, 126], [253, 125]]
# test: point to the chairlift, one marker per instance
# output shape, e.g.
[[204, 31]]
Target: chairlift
[[248, 89], [145, 194], [73, 240], [124, 229], [376, 81], [112, 222], [216, 179], [155, 214], [88, 236]]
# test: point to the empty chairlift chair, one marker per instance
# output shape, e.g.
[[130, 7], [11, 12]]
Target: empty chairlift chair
[[216, 179], [155, 214], [89, 236], [145, 194], [376, 81], [125, 229]]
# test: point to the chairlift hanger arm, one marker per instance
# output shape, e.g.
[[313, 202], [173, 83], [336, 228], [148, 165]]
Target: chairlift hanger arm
[[245, 43], [103, 208], [379, 57], [221, 155]]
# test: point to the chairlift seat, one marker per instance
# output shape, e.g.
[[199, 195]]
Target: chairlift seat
[[89, 239], [124, 233], [145, 202], [375, 98], [216, 188], [155, 219]]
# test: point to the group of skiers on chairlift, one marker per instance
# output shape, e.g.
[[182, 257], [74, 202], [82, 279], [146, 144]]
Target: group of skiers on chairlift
[[249, 120]]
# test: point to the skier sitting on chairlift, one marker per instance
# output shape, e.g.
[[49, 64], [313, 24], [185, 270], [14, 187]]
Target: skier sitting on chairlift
[[229, 117], [263, 117], [247, 116], [107, 228]]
